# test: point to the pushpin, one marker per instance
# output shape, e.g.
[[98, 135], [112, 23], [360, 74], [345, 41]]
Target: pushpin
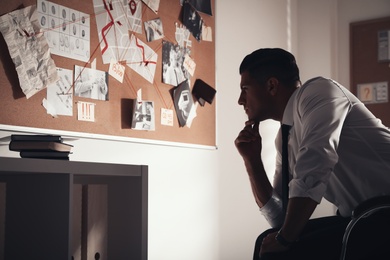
[[133, 6]]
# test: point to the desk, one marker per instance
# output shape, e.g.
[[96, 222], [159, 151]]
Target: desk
[[37, 208]]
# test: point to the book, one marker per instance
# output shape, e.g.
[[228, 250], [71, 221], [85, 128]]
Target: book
[[44, 154], [35, 138], [39, 145]]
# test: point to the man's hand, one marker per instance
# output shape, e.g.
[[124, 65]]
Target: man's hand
[[248, 142], [270, 244]]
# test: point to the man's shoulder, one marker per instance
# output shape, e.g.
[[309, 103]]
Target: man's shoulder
[[319, 85], [317, 80], [319, 88]]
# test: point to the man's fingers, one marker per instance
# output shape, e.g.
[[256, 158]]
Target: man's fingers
[[247, 135], [244, 139], [256, 126], [253, 125], [249, 123]]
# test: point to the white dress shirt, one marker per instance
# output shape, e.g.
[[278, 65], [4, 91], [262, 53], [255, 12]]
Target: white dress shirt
[[337, 150]]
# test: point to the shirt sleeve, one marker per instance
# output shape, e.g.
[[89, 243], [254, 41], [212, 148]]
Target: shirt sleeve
[[273, 212], [321, 109], [273, 209]]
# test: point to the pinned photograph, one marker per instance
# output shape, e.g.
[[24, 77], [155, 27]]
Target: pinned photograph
[[203, 6], [192, 20], [154, 29], [90, 83], [183, 102], [143, 116], [174, 72]]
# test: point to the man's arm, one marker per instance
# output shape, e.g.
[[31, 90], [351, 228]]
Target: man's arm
[[299, 210], [248, 144], [261, 187], [298, 213]]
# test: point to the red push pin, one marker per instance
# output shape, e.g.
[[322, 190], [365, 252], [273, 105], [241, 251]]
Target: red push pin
[[133, 6]]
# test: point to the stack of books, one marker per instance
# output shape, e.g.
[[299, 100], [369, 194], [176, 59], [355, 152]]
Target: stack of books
[[40, 146]]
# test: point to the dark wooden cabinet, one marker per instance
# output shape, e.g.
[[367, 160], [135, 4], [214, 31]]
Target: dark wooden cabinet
[[49, 209]]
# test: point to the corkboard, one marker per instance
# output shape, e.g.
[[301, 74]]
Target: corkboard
[[365, 66], [113, 117]]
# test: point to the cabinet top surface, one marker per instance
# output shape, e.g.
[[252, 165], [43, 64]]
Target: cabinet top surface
[[25, 165]]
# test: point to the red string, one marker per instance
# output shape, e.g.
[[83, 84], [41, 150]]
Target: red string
[[105, 31]]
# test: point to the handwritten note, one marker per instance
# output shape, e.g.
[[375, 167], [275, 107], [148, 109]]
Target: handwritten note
[[167, 117], [189, 64], [86, 111], [116, 70]]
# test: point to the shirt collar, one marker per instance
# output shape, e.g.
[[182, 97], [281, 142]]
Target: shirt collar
[[288, 118]]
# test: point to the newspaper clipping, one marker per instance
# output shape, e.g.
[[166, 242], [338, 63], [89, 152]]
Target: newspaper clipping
[[28, 49]]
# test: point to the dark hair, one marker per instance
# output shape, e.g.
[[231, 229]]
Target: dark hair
[[271, 62]]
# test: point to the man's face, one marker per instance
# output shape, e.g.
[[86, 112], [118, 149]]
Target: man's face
[[255, 98]]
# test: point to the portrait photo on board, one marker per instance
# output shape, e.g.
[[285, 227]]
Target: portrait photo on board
[[143, 116], [203, 6], [183, 102], [192, 20], [173, 72], [154, 29]]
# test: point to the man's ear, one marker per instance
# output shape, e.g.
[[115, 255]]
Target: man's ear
[[273, 85]]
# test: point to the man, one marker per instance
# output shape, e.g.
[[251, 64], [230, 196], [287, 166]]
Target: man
[[337, 150]]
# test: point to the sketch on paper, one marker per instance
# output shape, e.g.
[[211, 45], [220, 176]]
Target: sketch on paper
[[143, 59], [114, 20], [60, 94]]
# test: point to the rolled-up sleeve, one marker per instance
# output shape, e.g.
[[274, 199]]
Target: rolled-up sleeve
[[272, 211], [321, 111]]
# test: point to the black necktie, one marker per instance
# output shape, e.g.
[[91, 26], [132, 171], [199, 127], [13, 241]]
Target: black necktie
[[285, 170]]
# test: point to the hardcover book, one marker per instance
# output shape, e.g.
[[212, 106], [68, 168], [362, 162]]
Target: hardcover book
[[42, 138], [45, 154], [39, 145]]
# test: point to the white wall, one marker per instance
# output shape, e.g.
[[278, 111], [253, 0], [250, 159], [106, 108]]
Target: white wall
[[323, 38], [200, 203], [315, 48], [354, 11], [241, 29], [183, 197]]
